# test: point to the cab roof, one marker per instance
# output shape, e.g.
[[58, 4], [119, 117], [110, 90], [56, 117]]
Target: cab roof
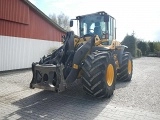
[[97, 13]]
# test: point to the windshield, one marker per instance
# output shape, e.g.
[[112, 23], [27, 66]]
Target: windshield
[[92, 24]]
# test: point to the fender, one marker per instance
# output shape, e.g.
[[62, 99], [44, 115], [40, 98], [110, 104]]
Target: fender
[[119, 51]]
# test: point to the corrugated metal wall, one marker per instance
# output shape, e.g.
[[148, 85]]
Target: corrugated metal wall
[[14, 10], [25, 35], [19, 20], [17, 53]]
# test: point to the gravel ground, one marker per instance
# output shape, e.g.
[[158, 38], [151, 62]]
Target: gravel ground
[[142, 93], [144, 90]]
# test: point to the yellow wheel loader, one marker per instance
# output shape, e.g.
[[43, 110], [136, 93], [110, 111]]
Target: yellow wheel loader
[[94, 56]]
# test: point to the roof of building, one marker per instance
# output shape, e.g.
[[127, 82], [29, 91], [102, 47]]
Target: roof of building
[[43, 15]]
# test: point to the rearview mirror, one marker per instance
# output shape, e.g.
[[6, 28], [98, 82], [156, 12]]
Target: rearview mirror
[[71, 23]]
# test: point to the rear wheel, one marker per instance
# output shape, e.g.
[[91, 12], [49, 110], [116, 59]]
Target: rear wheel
[[99, 74], [126, 69]]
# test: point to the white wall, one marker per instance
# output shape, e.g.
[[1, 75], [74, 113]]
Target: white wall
[[17, 53]]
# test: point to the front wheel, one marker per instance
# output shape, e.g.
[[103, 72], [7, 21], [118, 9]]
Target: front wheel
[[99, 74]]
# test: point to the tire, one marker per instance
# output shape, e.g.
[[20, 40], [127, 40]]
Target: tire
[[126, 69], [99, 74]]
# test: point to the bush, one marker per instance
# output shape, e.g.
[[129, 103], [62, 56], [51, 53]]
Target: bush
[[130, 41], [158, 54], [152, 54], [156, 46], [144, 47], [139, 53]]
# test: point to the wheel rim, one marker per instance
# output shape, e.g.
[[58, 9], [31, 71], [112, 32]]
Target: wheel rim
[[110, 74], [129, 67]]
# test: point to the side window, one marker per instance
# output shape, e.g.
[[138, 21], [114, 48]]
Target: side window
[[111, 29], [103, 26], [91, 29], [83, 29], [111, 26]]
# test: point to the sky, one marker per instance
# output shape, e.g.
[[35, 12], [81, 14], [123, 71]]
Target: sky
[[140, 16]]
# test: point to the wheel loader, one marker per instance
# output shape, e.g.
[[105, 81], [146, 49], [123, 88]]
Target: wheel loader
[[94, 56]]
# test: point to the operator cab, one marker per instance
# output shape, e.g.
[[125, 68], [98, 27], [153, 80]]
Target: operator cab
[[99, 23]]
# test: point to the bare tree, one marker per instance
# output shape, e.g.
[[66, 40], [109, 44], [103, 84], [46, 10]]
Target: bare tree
[[53, 17], [61, 19]]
